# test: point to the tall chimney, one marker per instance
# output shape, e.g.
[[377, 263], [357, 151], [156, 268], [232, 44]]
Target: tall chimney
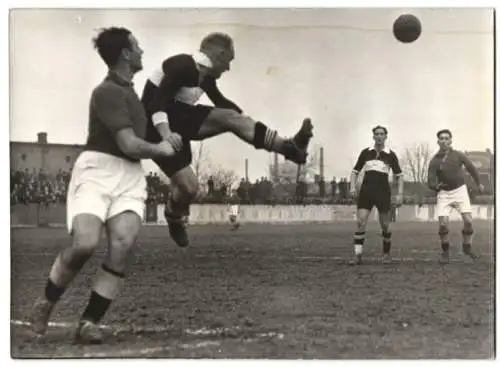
[[42, 138], [321, 165], [246, 169]]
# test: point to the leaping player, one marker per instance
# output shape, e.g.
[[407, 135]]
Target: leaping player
[[170, 97], [445, 177], [375, 191]]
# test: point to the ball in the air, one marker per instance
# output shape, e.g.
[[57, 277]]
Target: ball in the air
[[407, 28]]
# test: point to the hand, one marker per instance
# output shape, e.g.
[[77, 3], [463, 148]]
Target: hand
[[166, 149], [175, 140], [481, 188], [398, 200], [353, 192]]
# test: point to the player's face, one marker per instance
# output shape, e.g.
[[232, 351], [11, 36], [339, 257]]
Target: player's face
[[444, 141], [134, 54], [379, 136], [221, 60]]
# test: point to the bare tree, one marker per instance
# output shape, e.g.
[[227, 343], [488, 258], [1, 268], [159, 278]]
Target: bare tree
[[220, 176], [415, 161]]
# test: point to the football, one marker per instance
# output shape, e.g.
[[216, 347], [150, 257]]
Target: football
[[407, 28]]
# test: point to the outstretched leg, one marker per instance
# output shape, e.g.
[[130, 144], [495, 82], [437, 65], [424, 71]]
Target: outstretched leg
[[86, 232], [221, 120], [122, 231]]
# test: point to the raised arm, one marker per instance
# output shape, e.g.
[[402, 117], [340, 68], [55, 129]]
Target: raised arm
[[210, 87]]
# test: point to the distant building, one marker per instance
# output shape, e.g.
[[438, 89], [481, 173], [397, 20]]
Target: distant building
[[42, 155]]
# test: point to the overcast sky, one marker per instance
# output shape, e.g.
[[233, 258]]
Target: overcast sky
[[341, 67]]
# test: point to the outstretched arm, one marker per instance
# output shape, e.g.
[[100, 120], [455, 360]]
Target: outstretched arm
[[210, 87]]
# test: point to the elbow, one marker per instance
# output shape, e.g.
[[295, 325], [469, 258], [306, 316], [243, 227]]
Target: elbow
[[131, 152], [129, 147]]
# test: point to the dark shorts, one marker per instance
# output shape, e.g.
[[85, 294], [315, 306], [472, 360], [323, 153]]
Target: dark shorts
[[368, 199], [185, 120]]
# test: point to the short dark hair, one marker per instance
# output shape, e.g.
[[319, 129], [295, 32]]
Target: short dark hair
[[443, 131], [219, 39], [110, 42], [379, 127]]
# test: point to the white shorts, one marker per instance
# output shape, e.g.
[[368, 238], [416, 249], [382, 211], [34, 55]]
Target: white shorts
[[455, 199], [234, 210], [104, 185]]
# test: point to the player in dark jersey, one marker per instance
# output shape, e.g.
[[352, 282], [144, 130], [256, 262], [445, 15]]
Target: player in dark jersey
[[446, 178], [170, 97], [375, 191]]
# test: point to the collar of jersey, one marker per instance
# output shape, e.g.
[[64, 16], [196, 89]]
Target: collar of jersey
[[440, 153], [118, 79], [386, 150], [201, 59]]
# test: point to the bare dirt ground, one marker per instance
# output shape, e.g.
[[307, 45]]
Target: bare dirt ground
[[271, 291]]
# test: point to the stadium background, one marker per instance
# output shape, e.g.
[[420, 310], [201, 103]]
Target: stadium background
[[40, 173]]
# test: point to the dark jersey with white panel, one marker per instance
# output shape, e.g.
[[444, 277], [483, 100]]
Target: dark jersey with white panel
[[375, 188], [173, 91]]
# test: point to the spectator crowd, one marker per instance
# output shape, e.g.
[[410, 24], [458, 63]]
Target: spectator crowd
[[39, 187]]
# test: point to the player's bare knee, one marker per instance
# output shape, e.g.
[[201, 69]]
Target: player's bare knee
[[186, 183], [189, 189], [385, 227], [467, 219], [123, 242], [443, 229], [468, 228], [83, 247], [361, 223]]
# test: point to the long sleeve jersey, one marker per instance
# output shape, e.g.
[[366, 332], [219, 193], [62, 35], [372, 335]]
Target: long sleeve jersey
[[445, 169]]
